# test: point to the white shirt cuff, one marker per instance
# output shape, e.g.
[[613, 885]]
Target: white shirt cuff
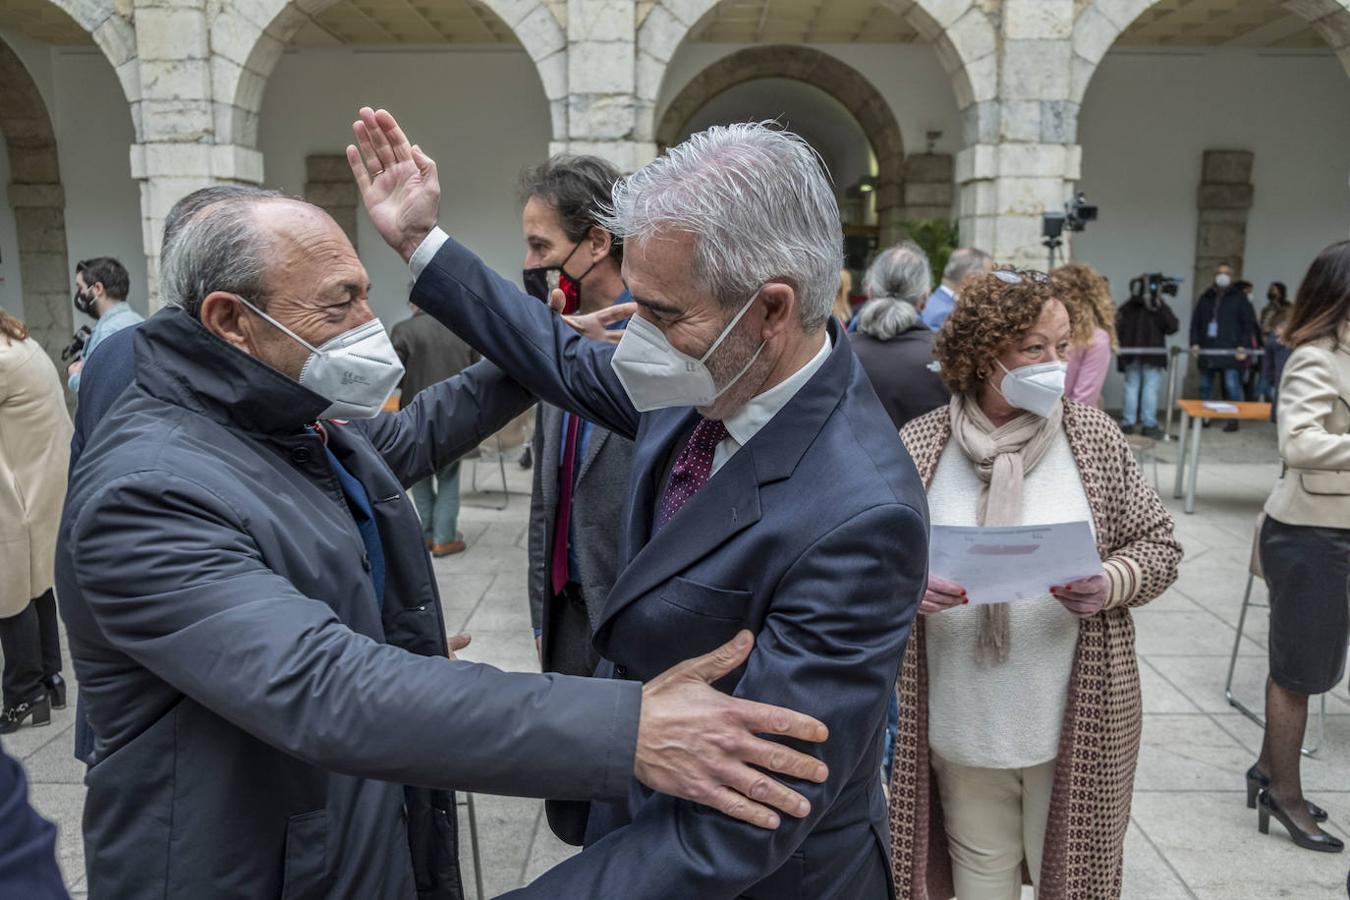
[[427, 250]]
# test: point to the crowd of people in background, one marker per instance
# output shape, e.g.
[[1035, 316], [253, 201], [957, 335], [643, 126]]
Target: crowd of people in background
[[233, 437]]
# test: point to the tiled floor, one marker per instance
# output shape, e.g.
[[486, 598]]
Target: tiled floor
[[1190, 836]]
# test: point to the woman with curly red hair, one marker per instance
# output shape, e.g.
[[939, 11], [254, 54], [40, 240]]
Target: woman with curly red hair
[[1019, 722]]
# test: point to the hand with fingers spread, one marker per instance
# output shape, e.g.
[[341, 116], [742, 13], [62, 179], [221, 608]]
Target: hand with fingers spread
[[1083, 598], [699, 744], [941, 594], [398, 182]]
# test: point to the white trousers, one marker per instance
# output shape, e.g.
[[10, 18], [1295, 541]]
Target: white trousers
[[994, 818]]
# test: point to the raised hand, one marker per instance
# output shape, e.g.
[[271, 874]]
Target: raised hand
[[397, 181], [698, 743]]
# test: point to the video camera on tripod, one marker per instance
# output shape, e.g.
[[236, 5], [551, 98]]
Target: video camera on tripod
[[1077, 213]]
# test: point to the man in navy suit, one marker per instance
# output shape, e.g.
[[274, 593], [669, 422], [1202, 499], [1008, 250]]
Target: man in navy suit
[[769, 490]]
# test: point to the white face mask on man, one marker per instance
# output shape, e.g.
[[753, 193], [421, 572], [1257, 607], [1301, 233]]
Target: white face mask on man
[[1223, 280], [1037, 388], [355, 371], [657, 376]]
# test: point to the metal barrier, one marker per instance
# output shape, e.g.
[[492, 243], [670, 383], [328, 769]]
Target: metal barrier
[[1172, 354]]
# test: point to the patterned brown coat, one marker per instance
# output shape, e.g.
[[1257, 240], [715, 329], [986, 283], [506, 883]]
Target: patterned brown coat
[[1099, 741]]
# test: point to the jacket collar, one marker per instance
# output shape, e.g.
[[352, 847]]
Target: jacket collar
[[180, 362]]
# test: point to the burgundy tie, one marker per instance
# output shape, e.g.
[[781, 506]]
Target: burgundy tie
[[563, 519], [692, 469]]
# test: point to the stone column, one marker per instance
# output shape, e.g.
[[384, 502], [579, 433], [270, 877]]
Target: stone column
[[177, 153], [928, 188], [1222, 201], [1021, 159], [39, 218], [602, 104], [329, 185]]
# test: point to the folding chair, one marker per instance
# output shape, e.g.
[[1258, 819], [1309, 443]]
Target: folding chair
[[1254, 572], [501, 466], [473, 841]]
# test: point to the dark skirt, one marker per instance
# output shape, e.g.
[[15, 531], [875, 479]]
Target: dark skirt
[[1308, 572]]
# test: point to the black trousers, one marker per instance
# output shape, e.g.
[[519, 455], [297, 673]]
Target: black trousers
[[31, 643]]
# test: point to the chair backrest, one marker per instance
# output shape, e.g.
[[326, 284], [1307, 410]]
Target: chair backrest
[[1255, 565]]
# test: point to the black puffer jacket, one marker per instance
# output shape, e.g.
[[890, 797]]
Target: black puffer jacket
[[1144, 323]]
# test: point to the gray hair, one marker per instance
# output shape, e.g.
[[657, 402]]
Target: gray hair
[[225, 251], [896, 281], [188, 207], [963, 262], [757, 200]]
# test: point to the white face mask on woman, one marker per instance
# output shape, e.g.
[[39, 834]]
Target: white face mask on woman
[[355, 371], [657, 376], [1037, 388]]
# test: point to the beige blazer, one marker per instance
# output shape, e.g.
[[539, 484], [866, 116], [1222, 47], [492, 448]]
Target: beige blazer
[[34, 455], [1314, 424]]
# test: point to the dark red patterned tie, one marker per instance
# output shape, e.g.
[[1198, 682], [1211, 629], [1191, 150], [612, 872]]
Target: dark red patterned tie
[[692, 469], [562, 521]]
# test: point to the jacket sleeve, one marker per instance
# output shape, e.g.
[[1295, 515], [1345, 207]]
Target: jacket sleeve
[[524, 337], [1167, 320], [1144, 561], [445, 421], [27, 841], [199, 607], [831, 648], [1309, 392]]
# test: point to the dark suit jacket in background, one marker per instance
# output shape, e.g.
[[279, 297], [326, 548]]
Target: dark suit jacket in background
[[597, 516], [900, 374], [1237, 325], [813, 535], [28, 867], [430, 353]]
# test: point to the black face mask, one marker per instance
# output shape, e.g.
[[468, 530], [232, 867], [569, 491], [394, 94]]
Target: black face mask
[[87, 304], [541, 281]]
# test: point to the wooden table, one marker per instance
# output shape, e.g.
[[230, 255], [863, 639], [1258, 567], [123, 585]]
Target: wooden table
[[1194, 411]]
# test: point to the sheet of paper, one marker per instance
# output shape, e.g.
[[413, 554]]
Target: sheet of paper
[[1218, 406], [1003, 565]]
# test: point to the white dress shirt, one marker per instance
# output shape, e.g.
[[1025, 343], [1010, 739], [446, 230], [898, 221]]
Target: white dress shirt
[[744, 424]]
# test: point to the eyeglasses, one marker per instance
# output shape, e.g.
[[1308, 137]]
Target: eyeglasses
[[1009, 276]]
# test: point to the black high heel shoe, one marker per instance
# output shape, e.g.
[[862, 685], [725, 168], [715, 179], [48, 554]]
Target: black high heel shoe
[[40, 711], [1319, 841], [1255, 782], [56, 691]]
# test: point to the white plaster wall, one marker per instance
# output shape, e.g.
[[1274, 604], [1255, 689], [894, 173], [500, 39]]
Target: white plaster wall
[[1148, 116], [93, 138], [480, 113], [909, 76]]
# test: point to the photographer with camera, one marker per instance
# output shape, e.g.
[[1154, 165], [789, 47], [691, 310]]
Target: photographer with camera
[[1144, 321], [101, 286]]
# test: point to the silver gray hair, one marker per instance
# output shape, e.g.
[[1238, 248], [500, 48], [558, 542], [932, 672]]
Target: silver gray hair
[[759, 203], [896, 281], [963, 262], [225, 251]]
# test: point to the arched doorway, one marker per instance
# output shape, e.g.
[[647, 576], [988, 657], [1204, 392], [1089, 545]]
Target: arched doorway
[[822, 74]]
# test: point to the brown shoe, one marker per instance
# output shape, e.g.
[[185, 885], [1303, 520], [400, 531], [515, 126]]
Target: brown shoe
[[450, 549]]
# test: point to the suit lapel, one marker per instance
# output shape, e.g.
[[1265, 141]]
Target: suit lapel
[[726, 505], [596, 440], [550, 420]]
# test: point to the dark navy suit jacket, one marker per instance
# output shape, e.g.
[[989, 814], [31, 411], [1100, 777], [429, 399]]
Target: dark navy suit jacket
[[813, 535]]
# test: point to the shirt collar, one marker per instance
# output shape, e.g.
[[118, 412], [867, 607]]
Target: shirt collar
[[749, 419]]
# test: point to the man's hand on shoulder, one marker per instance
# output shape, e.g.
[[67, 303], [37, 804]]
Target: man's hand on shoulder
[[697, 743], [398, 182]]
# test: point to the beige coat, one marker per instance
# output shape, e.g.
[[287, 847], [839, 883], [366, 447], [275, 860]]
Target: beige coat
[[1314, 420], [34, 455], [1099, 740]]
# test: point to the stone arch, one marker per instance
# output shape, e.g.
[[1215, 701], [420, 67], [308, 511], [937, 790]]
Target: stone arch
[[820, 70], [963, 35], [115, 35], [248, 37], [1101, 22], [39, 204]]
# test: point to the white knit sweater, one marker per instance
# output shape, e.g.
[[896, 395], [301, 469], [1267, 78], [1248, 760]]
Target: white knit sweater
[[1003, 715]]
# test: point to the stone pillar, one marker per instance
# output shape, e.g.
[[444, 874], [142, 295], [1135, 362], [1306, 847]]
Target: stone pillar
[[1222, 201], [602, 105], [39, 217], [1020, 158], [929, 190], [329, 185]]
